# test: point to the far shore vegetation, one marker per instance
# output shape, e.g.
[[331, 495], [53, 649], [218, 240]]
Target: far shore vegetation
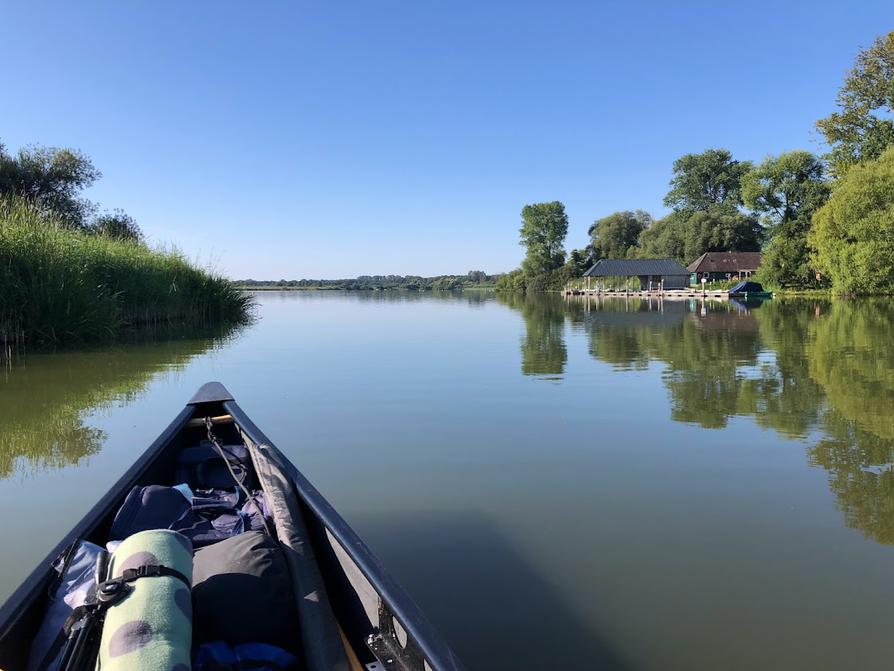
[[69, 273], [822, 223], [474, 279]]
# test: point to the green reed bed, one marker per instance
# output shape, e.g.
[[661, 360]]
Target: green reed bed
[[60, 285]]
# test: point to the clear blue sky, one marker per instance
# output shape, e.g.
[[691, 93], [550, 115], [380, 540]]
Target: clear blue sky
[[332, 139]]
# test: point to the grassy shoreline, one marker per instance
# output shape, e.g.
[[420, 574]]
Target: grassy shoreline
[[59, 285], [811, 293]]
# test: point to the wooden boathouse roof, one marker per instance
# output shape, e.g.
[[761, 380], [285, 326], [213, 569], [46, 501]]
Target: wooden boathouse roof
[[726, 262], [635, 268]]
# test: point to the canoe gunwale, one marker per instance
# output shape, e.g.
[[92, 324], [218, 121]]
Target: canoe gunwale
[[396, 602]]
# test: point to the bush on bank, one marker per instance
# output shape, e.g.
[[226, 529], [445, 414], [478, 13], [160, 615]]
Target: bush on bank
[[59, 284], [853, 233]]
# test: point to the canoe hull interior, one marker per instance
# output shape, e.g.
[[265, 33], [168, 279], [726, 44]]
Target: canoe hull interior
[[370, 618]]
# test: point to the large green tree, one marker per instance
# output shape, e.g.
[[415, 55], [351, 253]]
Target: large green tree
[[703, 181], [853, 233], [720, 229], [863, 127], [543, 230], [616, 235], [685, 235], [579, 261], [665, 238], [51, 178], [786, 190], [705, 194]]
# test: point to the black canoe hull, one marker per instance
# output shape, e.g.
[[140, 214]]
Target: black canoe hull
[[375, 616]]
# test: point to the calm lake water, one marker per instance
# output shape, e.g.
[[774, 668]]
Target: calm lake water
[[560, 485]]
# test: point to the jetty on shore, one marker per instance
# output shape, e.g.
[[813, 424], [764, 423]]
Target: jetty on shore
[[646, 293]]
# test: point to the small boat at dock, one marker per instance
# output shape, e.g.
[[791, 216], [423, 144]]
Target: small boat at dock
[[349, 614], [747, 289]]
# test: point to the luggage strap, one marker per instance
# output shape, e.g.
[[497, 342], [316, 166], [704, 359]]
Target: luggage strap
[[112, 591], [209, 424]]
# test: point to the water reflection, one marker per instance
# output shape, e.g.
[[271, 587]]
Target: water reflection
[[470, 297], [497, 582], [543, 351], [45, 397], [819, 371], [851, 357]]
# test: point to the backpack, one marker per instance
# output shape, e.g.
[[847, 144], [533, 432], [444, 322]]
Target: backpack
[[203, 468]]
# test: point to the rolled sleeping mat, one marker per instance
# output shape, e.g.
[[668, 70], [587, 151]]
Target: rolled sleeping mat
[[150, 628]]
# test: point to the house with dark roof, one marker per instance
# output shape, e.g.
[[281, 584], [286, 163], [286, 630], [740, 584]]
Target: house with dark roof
[[652, 273], [723, 266]]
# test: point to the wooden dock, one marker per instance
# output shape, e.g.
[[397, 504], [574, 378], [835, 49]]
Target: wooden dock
[[669, 294]]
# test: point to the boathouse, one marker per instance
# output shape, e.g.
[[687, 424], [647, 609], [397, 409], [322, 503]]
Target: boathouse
[[653, 274], [723, 266]]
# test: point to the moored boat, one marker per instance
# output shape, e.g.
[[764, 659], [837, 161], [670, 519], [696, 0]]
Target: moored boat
[[748, 289], [349, 614]]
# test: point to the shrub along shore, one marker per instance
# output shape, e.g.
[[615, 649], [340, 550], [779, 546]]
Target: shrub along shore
[[59, 284]]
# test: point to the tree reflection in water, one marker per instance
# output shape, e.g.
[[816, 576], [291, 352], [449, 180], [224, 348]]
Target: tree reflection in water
[[799, 367], [543, 351], [45, 397]]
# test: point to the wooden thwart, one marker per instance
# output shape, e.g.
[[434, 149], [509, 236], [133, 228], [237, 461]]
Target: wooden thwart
[[349, 650], [219, 419]]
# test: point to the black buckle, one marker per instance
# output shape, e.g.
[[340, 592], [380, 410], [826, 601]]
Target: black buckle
[[146, 571], [110, 591]]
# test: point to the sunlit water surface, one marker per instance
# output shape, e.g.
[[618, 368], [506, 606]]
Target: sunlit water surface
[[559, 484]]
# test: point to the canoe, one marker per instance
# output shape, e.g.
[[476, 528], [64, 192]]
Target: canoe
[[359, 618]]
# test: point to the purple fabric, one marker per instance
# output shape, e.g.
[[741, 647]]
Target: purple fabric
[[211, 516], [151, 507]]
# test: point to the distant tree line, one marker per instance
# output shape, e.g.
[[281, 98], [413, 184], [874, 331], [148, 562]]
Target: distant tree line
[[819, 221], [52, 180], [474, 279]]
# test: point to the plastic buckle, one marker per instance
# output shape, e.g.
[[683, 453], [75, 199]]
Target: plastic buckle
[[110, 591], [148, 571]]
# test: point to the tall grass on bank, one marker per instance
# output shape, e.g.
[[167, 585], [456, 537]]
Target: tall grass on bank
[[59, 285]]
